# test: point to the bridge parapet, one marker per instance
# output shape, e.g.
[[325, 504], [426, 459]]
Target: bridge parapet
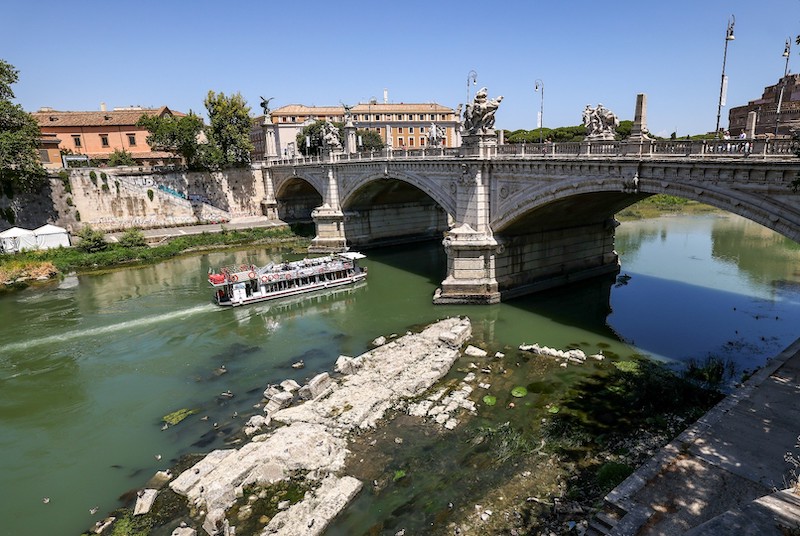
[[705, 149]]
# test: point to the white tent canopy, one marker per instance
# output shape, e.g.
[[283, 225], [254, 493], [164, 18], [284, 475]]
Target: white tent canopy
[[51, 236], [17, 239]]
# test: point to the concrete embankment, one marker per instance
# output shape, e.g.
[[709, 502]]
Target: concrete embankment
[[722, 475], [313, 443]]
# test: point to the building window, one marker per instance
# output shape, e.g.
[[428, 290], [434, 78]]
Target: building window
[[399, 130], [44, 156], [422, 130], [377, 117], [400, 142], [104, 140], [76, 140], [293, 119], [410, 130], [411, 142], [132, 140], [421, 142]]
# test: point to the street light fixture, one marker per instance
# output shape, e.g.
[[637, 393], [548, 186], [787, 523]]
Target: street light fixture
[[473, 77], [787, 49], [540, 85], [724, 81]]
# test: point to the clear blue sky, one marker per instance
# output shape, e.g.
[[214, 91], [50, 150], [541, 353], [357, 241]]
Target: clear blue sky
[[152, 53]]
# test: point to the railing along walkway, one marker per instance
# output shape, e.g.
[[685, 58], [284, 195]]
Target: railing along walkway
[[736, 148]]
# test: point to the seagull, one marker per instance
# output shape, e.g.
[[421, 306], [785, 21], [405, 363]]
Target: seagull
[[94, 510], [166, 425], [45, 500], [158, 456]]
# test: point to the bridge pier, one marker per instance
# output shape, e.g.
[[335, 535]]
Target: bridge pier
[[470, 268], [330, 230]]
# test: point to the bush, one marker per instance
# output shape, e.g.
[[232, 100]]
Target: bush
[[92, 241], [132, 238], [10, 216], [69, 201], [64, 176], [93, 177], [150, 194], [77, 215], [103, 176], [104, 187]]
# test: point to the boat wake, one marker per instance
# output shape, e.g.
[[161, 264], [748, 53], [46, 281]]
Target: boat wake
[[104, 330]]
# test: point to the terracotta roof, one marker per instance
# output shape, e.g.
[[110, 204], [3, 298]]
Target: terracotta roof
[[54, 118], [363, 107]]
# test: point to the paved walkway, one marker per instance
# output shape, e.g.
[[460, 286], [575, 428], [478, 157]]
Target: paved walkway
[[153, 236], [723, 475]]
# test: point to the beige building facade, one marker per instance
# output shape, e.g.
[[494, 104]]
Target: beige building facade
[[399, 125]]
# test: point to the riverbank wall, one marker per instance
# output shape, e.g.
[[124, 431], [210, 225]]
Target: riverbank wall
[[119, 198]]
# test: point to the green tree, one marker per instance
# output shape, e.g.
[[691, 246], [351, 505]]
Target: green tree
[[370, 140], [121, 157], [20, 164], [624, 130], [176, 135], [314, 133], [92, 241], [228, 132]]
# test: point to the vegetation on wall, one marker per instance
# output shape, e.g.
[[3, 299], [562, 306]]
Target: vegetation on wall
[[228, 133]]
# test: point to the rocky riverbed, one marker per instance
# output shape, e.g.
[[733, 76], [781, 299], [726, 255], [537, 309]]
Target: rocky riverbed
[[302, 440]]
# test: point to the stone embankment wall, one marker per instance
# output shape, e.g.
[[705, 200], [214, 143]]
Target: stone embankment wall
[[120, 198]]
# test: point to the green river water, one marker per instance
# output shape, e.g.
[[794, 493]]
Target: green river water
[[89, 365]]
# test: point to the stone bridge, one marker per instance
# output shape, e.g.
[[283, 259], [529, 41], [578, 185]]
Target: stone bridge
[[518, 219]]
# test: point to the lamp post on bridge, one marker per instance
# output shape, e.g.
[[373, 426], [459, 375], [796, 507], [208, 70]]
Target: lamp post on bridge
[[787, 50], [724, 80], [540, 85], [471, 77]]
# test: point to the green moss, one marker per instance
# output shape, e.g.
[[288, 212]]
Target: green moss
[[177, 416], [611, 474], [519, 391]]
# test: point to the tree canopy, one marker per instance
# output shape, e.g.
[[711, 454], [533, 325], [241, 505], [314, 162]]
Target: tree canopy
[[370, 140], [314, 133], [177, 135], [20, 163], [228, 133]]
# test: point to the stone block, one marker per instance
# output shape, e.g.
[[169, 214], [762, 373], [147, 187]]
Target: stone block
[[290, 385], [279, 401], [319, 384], [144, 501]]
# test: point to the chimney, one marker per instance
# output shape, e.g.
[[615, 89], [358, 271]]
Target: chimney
[[102, 106], [385, 96]]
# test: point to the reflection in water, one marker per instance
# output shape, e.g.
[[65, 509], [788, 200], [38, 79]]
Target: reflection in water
[[89, 370]]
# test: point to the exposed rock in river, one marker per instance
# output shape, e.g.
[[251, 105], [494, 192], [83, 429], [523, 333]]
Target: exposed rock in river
[[314, 443]]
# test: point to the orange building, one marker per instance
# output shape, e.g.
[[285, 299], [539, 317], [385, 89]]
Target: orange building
[[98, 134]]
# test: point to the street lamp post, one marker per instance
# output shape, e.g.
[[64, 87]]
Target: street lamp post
[[723, 82], [787, 49], [471, 77], [540, 85]]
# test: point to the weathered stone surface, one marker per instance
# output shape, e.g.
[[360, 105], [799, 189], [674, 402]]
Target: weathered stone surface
[[312, 515], [312, 443], [319, 384], [144, 501], [279, 401], [184, 531], [474, 351], [290, 385]]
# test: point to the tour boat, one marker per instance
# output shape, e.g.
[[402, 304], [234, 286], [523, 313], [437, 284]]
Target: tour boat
[[247, 283]]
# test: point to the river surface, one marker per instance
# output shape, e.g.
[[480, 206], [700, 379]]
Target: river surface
[[91, 364]]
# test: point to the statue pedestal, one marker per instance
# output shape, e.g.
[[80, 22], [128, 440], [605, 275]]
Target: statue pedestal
[[470, 268], [482, 145], [330, 230]]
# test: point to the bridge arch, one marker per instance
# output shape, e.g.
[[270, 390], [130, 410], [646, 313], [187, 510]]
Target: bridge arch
[[297, 196], [427, 185], [383, 208]]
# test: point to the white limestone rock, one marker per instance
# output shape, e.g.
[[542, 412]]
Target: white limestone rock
[[474, 351], [379, 341], [290, 385], [278, 402], [144, 501]]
